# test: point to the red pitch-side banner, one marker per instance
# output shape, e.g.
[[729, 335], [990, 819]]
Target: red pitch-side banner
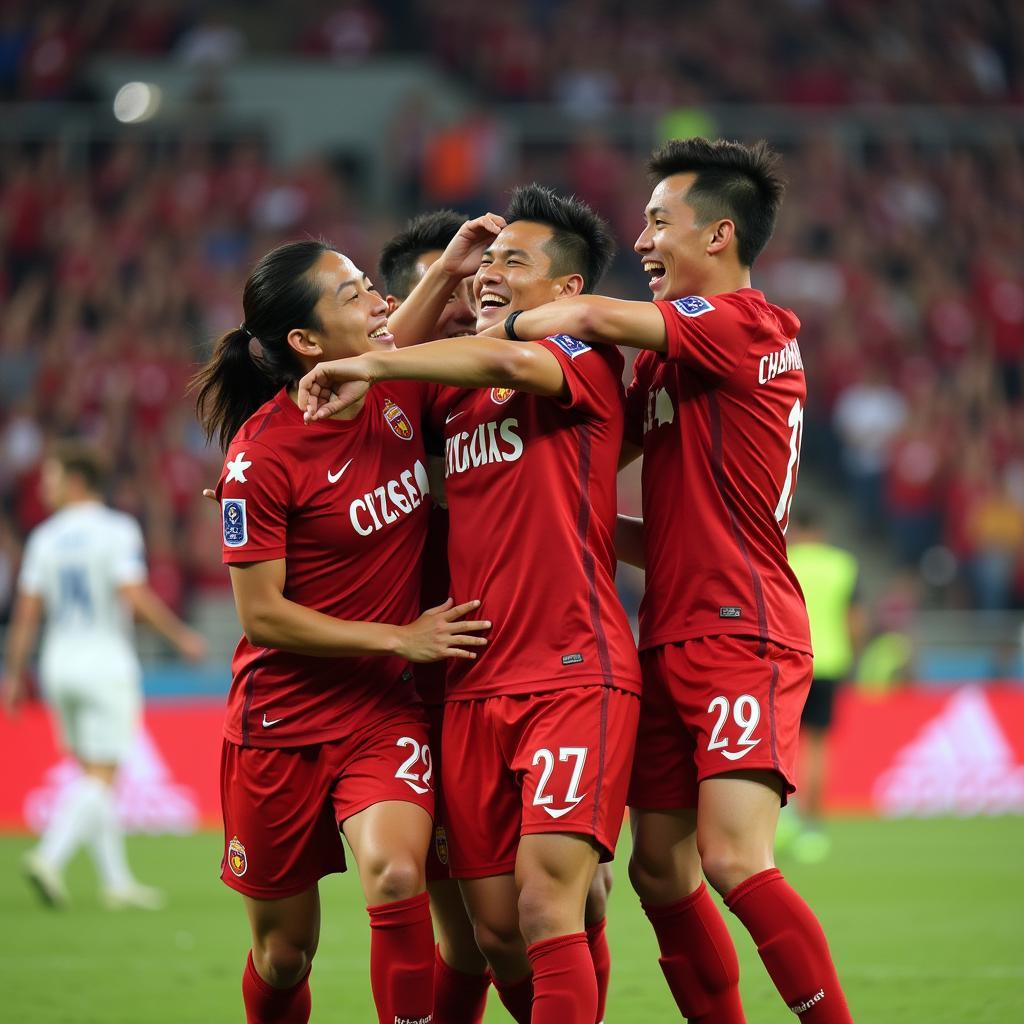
[[913, 752]]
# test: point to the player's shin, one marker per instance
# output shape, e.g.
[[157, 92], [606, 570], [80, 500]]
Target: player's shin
[[698, 958], [402, 960], [600, 955], [265, 1004], [564, 985], [793, 947], [459, 998]]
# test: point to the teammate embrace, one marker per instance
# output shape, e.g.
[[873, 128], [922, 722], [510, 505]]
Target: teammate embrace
[[324, 528]]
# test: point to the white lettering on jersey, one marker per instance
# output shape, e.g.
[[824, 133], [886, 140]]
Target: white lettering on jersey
[[660, 410], [390, 501], [489, 442], [782, 361]]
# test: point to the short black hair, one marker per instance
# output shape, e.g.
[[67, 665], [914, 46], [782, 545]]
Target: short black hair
[[425, 233], [581, 244], [736, 181], [84, 460]]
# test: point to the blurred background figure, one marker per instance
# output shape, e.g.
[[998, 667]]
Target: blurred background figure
[[828, 576], [85, 571]]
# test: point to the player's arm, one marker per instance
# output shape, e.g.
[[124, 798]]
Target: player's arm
[[269, 619], [149, 607], [594, 318], [477, 362], [415, 319], [21, 637]]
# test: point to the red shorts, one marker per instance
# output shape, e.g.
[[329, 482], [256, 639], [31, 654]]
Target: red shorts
[[546, 762], [716, 704], [438, 869], [283, 807]]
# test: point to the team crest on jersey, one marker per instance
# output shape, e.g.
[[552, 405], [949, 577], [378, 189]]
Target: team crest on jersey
[[237, 860], [236, 530], [441, 844], [501, 395], [693, 305], [397, 420], [571, 346]]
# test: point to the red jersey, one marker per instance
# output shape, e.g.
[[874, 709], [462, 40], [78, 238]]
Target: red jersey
[[346, 503], [531, 492], [430, 675], [720, 418]]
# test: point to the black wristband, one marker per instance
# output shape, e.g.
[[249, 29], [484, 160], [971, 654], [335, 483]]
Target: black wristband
[[510, 325]]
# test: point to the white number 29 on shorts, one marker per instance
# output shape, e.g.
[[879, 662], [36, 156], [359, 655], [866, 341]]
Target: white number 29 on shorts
[[746, 713], [411, 773]]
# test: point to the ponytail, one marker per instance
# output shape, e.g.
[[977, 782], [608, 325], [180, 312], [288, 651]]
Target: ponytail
[[231, 387], [280, 295]]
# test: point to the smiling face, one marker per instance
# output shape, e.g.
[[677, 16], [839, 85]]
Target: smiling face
[[514, 274], [352, 314], [458, 318], [673, 245]]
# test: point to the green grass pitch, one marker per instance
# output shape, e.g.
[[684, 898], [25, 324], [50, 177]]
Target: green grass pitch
[[925, 919]]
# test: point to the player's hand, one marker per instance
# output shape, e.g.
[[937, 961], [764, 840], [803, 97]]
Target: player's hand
[[13, 690], [209, 492], [331, 387], [192, 645], [462, 256], [442, 632]]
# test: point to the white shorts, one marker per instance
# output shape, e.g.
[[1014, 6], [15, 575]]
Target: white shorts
[[99, 716]]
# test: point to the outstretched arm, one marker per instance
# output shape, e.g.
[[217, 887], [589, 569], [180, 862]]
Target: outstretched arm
[[595, 318], [151, 609], [476, 362]]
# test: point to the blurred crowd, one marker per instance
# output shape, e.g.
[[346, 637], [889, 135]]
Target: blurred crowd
[[120, 265], [587, 55]]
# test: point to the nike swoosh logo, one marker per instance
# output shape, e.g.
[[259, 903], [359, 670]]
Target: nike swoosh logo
[[454, 416], [333, 478], [735, 755], [557, 813], [273, 721]]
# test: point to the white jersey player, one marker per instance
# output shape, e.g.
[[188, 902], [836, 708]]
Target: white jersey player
[[85, 571]]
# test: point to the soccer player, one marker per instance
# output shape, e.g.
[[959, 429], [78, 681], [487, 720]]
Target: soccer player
[[323, 532], [460, 979], [537, 736], [460, 970], [828, 576], [716, 408], [85, 570]]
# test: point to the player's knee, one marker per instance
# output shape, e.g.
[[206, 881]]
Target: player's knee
[[502, 945], [726, 864], [546, 910], [394, 878], [281, 962], [647, 875]]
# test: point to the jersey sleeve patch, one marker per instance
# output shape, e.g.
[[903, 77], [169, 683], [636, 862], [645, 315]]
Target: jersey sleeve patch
[[693, 305], [236, 529], [571, 346]]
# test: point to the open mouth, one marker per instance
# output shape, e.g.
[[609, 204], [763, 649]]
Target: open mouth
[[381, 332], [490, 301], [655, 271]]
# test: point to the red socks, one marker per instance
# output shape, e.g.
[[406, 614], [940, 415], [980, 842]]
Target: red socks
[[602, 958], [516, 997], [792, 946], [698, 959], [564, 985], [459, 998], [402, 960], [265, 1004]]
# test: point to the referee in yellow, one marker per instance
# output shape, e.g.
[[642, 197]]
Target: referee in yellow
[[828, 576]]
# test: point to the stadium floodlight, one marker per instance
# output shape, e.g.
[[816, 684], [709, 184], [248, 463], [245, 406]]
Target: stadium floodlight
[[136, 102]]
